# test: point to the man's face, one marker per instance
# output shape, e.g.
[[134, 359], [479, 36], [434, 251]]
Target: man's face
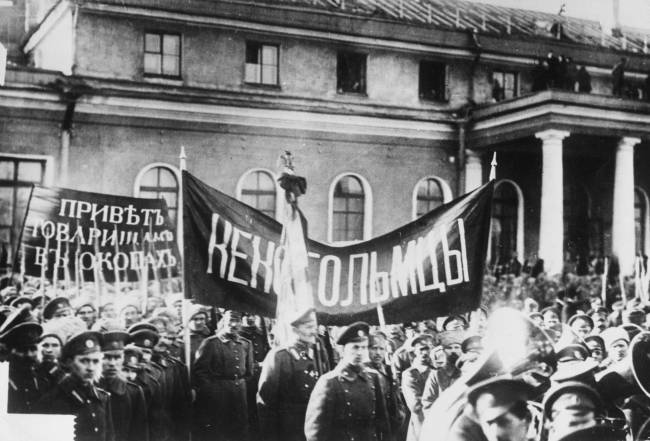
[[232, 324], [129, 374], [112, 363], [618, 350], [455, 324], [197, 322], [439, 359], [108, 311], [249, 321], [571, 411], [596, 350], [130, 315], [452, 352], [87, 366], [307, 331], [50, 348], [356, 353], [87, 314], [506, 427], [599, 322], [551, 320], [64, 311], [377, 351], [581, 327], [179, 307], [28, 353], [422, 353]]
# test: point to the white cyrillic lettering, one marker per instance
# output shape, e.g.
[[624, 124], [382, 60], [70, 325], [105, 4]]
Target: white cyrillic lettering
[[361, 284], [447, 255], [267, 263], [378, 282], [402, 274], [235, 254], [336, 280], [221, 247]]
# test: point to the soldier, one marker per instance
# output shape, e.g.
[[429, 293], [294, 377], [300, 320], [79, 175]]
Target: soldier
[[51, 341], [198, 329], [128, 405], [24, 386], [442, 378], [581, 324], [288, 377], [223, 363], [347, 403], [254, 334], [377, 349], [570, 405], [616, 341], [76, 395], [87, 313], [57, 308], [413, 383]]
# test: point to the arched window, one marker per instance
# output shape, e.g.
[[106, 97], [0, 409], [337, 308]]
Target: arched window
[[348, 210], [429, 193], [258, 189], [640, 220], [505, 223], [159, 181]]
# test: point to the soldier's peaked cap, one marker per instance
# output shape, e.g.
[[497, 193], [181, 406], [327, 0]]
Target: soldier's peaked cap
[[21, 335], [55, 305], [144, 338], [496, 396], [114, 340], [83, 343], [302, 317], [142, 326], [356, 332]]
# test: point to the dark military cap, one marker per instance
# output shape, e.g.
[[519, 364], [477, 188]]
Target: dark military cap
[[601, 310], [597, 338], [581, 316], [40, 300], [302, 317], [231, 313], [535, 314], [83, 343], [581, 390], [22, 335], [452, 318], [132, 357], [114, 340], [472, 342], [572, 352], [9, 298], [422, 338], [493, 397], [356, 332], [18, 301], [451, 337], [142, 326], [632, 329], [552, 309], [600, 432], [83, 305], [144, 338], [15, 317], [55, 306]]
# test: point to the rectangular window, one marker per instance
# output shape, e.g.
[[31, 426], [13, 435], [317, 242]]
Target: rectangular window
[[351, 72], [262, 64], [505, 85], [16, 178], [162, 54], [433, 81]]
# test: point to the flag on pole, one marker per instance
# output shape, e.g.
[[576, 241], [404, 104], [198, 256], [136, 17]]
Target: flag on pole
[[295, 295]]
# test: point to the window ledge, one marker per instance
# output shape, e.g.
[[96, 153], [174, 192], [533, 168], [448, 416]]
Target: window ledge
[[360, 94], [276, 87], [170, 81]]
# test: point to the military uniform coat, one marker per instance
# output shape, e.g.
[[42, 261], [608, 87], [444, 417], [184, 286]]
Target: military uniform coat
[[260, 348], [91, 406], [438, 381], [128, 408], [287, 380], [413, 382], [25, 386], [222, 365], [347, 404], [391, 393]]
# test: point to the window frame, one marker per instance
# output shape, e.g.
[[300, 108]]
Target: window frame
[[447, 195], [177, 174], [364, 80], [261, 44], [367, 209], [279, 192], [645, 219], [46, 162], [161, 35], [445, 85], [504, 72], [519, 234]]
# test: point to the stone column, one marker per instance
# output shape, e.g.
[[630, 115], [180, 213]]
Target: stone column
[[623, 234], [551, 225], [473, 170]]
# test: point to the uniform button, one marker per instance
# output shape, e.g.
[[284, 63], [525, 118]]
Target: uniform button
[[306, 386], [88, 401], [96, 429], [348, 403], [93, 414]]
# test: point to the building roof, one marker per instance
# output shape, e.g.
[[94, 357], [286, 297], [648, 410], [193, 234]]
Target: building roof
[[449, 15]]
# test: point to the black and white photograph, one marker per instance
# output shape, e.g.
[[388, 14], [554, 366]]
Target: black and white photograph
[[324, 220]]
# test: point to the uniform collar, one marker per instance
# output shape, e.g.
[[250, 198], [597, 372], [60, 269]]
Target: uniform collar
[[351, 372], [114, 385], [228, 337], [78, 389]]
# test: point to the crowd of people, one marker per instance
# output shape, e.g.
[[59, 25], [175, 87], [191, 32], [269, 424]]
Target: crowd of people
[[120, 368]]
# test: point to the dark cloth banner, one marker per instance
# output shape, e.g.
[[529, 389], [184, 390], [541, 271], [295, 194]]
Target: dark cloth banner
[[430, 267], [116, 235]]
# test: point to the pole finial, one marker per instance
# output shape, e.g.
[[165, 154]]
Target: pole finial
[[493, 167], [182, 158]]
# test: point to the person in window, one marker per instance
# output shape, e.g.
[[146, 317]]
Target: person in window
[[618, 77], [584, 80], [540, 76], [498, 94]]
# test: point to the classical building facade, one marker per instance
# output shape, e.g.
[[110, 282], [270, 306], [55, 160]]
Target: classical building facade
[[390, 108]]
